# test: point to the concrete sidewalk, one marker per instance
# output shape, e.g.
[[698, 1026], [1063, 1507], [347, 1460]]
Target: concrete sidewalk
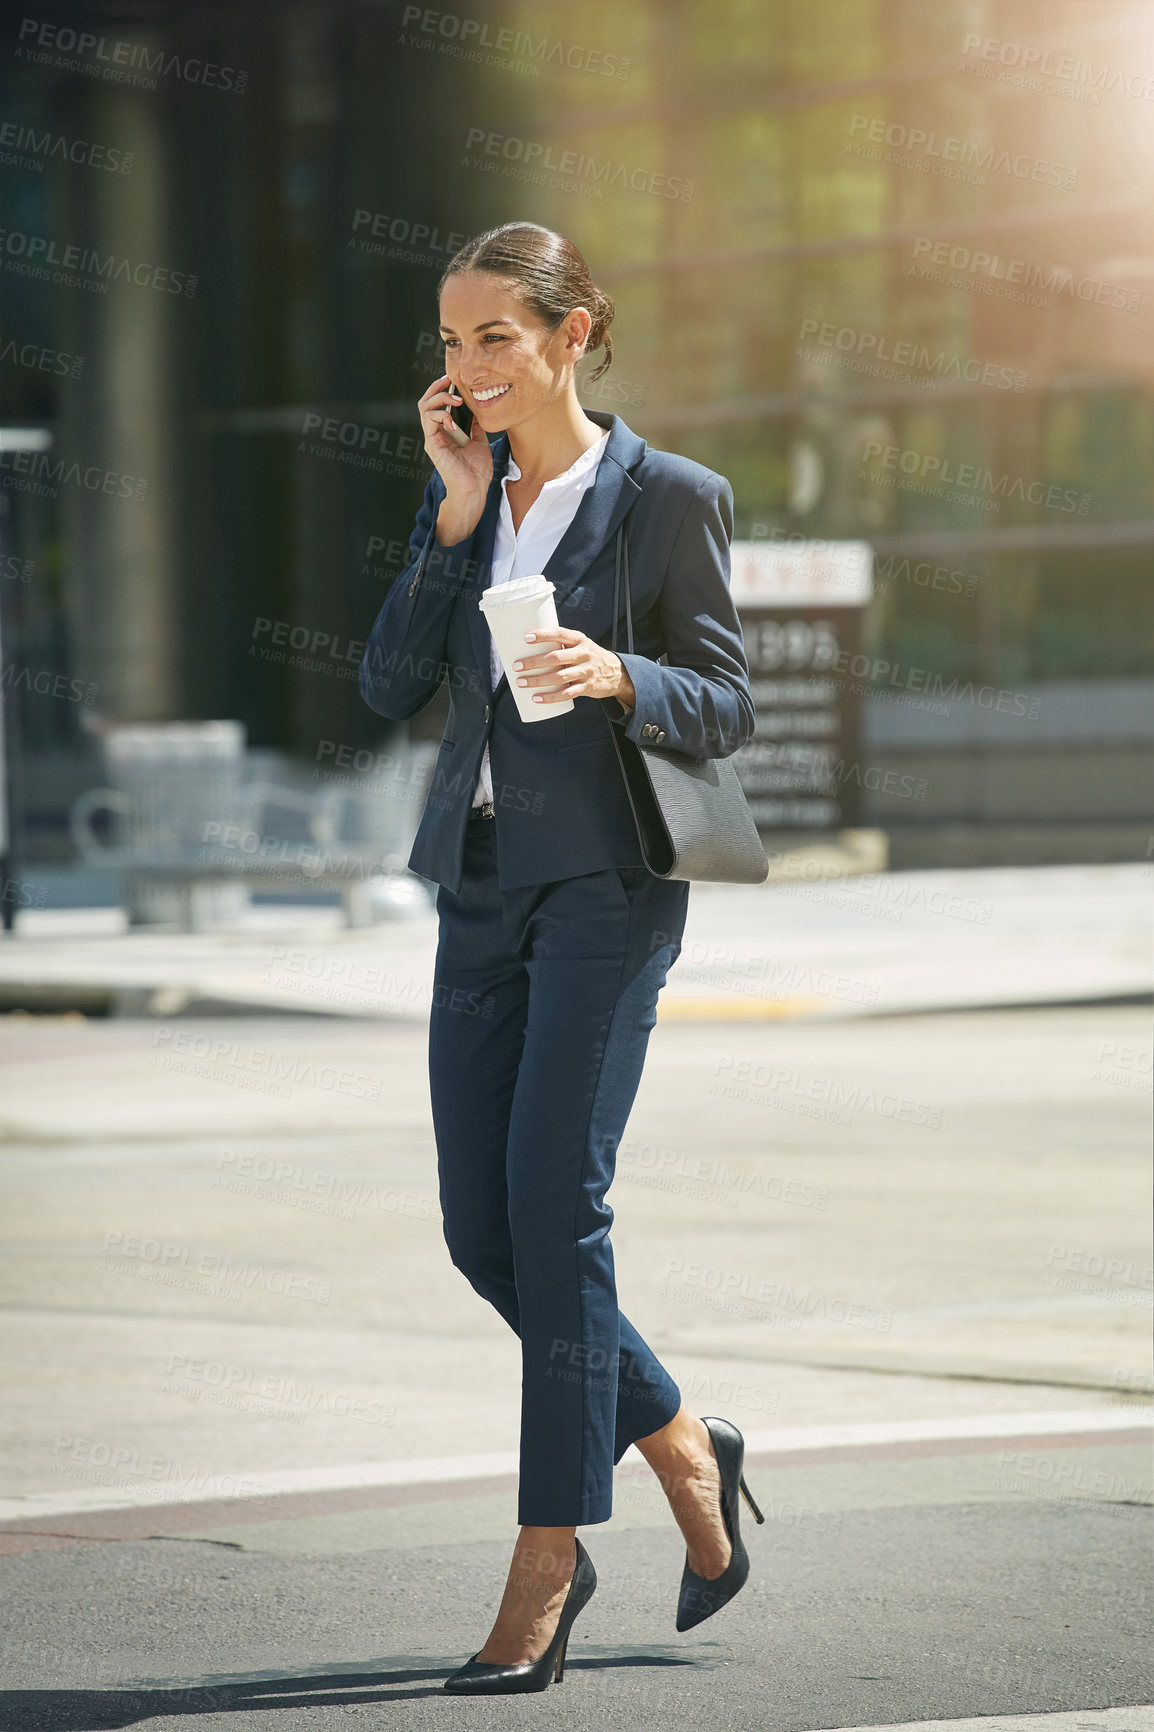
[[887, 944], [224, 1249]]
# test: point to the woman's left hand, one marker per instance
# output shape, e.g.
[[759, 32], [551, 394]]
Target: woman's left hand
[[579, 668]]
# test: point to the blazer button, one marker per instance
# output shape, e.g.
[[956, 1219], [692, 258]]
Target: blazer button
[[660, 735], [486, 712], [649, 729]]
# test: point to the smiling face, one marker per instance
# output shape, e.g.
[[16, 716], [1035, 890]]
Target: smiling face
[[503, 359]]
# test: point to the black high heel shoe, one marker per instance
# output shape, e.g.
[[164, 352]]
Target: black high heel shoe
[[479, 1678], [699, 1597]]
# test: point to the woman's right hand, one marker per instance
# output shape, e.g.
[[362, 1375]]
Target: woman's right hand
[[466, 470]]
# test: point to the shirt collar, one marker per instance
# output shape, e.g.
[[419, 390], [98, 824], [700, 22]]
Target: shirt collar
[[584, 462]]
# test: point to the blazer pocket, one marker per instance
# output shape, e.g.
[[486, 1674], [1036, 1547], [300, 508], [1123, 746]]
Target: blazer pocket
[[593, 745]]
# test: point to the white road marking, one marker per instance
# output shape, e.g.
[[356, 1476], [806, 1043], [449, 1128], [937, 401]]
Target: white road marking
[[1073, 1720], [438, 1469]]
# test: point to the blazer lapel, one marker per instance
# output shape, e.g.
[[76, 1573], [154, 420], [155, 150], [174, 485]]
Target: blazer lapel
[[484, 539], [600, 510]]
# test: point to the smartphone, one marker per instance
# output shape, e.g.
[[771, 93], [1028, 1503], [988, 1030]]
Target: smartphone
[[459, 427]]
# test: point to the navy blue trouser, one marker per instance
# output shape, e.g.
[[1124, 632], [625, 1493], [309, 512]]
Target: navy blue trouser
[[543, 1003]]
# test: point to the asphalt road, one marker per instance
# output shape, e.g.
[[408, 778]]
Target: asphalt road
[[900, 1614]]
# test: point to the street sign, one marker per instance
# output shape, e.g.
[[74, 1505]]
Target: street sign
[[801, 604]]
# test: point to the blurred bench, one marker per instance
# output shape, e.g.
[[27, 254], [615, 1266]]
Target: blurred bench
[[190, 836]]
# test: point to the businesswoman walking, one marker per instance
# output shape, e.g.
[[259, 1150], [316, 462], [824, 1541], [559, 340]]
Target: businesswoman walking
[[554, 937]]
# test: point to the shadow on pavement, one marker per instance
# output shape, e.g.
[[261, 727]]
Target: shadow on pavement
[[87, 1710]]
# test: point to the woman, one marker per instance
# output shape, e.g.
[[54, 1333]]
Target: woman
[[554, 937]]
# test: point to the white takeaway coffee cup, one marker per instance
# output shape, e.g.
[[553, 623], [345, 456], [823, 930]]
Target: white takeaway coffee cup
[[523, 604]]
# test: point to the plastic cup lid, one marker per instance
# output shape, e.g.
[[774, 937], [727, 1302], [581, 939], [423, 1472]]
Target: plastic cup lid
[[517, 589]]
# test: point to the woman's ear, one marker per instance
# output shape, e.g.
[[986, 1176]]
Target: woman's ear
[[578, 324]]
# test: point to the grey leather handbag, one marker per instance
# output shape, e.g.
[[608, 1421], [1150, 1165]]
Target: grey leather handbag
[[691, 815]]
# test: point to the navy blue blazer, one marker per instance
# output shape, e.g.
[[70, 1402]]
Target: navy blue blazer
[[559, 800]]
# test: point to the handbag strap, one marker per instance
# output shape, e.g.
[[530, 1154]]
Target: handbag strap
[[622, 548]]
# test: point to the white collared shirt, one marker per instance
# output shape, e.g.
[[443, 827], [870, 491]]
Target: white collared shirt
[[523, 552]]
